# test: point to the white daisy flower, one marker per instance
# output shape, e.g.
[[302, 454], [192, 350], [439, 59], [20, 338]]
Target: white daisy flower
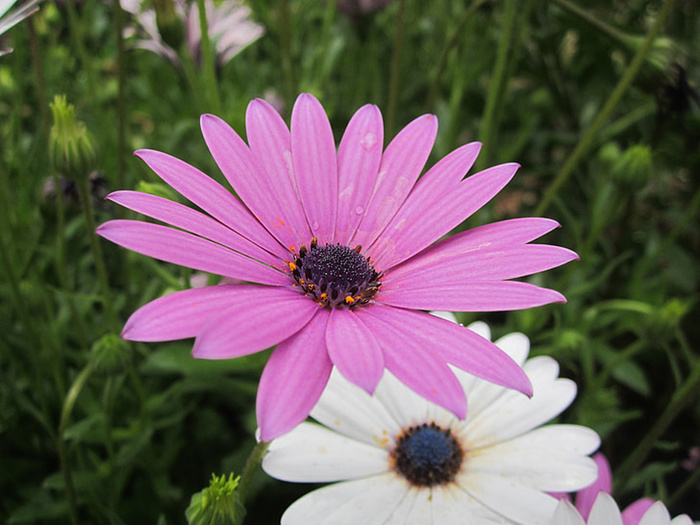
[[403, 460], [606, 512]]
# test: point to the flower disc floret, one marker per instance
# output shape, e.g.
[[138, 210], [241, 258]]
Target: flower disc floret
[[427, 455], [335, 276]]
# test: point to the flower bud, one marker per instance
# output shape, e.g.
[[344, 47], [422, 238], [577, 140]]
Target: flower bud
[[169, 23], [633, 169], [71, 147], [110, 353], [217, 504]]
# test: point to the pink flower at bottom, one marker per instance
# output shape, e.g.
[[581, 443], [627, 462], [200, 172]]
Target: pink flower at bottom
[[341, 248]]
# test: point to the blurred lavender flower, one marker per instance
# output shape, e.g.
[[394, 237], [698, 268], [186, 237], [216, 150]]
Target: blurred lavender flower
[[230, 28], [360, 7], [9, 20]]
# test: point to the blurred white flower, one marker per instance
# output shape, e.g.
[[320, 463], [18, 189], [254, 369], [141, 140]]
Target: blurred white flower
[[403, 460], [11, 19]]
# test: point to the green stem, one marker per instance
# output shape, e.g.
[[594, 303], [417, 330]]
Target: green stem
[[208, 62], [590, 134], [451, 43], [39, 71], [68, 405], [604, 28], [680, 399], [395, 69], [251, 467], [489, 122], [687, 485], [76, 32], [121, 95], [285, 41]]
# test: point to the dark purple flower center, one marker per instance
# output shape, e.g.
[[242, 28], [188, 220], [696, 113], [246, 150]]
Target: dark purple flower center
[[427, 455], [335, 276]]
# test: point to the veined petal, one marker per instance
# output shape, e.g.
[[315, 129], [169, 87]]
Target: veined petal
[[452, 343], [185, 249], [354, 350], [359, 157], [313, 453], [495, 296], [349, 503], [179, 315], [244, 326], [409, 231], [211, 197], [272, 200], [315, 165], [293, 379], [401, 165], [192, 221]]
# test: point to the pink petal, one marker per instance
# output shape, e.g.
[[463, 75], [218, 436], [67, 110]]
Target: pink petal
[[293, 379], [497, 296], [315, 169], [211, 197], [354, 350], [401, 165], [482, 264], [191, 220], [359, 156], [414, 363], [510, 233], [452, 343], [634, 513], [587, 496], [244, 326], [410, 231], [179, 315], [273, 200], [185, 249]]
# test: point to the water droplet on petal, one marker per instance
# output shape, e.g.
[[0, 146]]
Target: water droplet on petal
[[314, 226], [369, 141], [359, 210]]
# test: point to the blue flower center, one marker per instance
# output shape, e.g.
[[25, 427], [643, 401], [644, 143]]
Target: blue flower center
[[335, 276], [427, 455]]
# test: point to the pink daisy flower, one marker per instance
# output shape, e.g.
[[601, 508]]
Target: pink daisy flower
[[340, 246]]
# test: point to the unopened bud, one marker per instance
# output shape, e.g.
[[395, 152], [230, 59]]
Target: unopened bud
[[633, 169], [110, 353], [169, 23], [217, 504], [71, 147]]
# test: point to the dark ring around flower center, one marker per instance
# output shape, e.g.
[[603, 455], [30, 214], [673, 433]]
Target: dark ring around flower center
[[334, 275], [427, 455]]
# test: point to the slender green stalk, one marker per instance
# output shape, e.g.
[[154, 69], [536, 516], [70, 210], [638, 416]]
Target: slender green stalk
[[208, 61], [687, 392], [588, 138], [489, 122], [687, 485], [607, 29], [395, 69], [66, 412], [121, 95], [39, 72], [76, 31], [285, 42], [451, 44], [251, 467]]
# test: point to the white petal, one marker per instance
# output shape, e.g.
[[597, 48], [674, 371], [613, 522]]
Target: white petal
[[312, 453], [519, 503], [447, 316], [683, 519], [451, 504], [566, 514], [480, 328], [605, 511], [348, 409], [656, 515], [516, 345], [551, 459], [405, 406], [369, 501]]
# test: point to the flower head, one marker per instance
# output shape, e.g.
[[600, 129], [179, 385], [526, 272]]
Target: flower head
[[606, 512], [402, 459], [341, 248], [230, 28]]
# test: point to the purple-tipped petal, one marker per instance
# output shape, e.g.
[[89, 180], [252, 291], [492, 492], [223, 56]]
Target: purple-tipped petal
[[586, 496], [185, 249], [192, 221], [634, 513], [359, 156], [409, 231], [315, 165], [244, 327], [414, 363], [497, 296], [273, 200], [354, 350], [179, 315], [458, 346], [401, 165], [211, 197], [293, 379], [482, 264]]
